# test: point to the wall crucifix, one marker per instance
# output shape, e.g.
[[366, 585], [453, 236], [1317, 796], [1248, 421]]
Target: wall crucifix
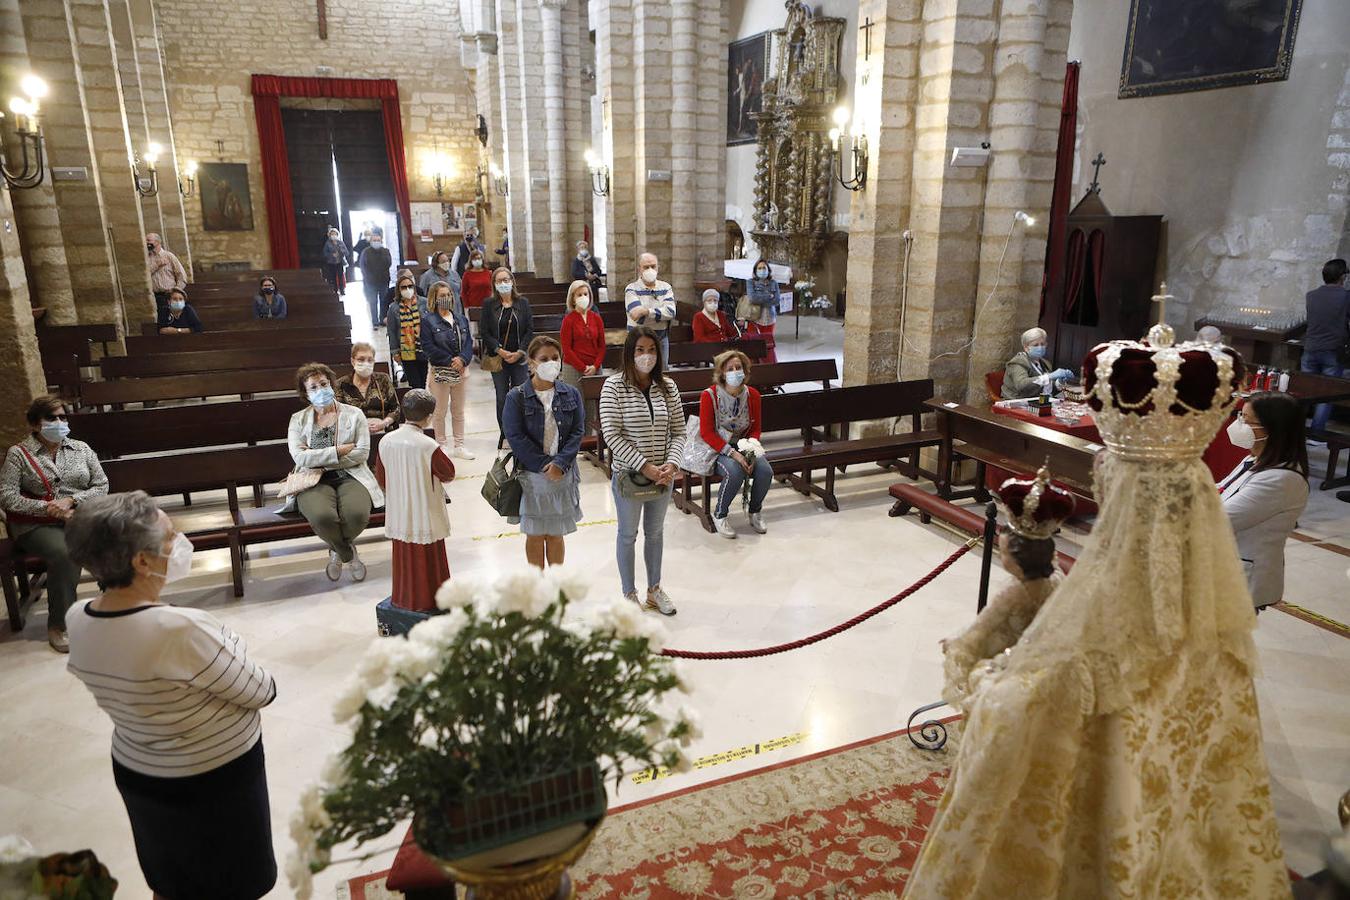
[[866, 29], [1097, 164]]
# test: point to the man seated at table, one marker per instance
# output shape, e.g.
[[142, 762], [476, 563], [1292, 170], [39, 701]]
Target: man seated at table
[[1028, 374]]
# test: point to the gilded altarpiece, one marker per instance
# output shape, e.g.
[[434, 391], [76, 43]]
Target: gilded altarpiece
[[793, 166]]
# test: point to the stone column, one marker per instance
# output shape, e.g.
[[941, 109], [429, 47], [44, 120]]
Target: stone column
[[681, 263], [20, 363], [557, 256], [488, 94], [614, 59], [138, 131], [533, 183], [65, 125], [37, 219], [883, 109], [514, 205], [111, 139], [577, 126]]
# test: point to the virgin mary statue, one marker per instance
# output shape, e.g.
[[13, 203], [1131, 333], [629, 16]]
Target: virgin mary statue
[[1115, 750]]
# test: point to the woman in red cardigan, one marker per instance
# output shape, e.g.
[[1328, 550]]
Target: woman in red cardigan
[[583, 336], [727, 412], [476, 284], [711, 326]]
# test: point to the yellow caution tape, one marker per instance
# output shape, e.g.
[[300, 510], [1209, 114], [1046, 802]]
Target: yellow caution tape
[[726, 756]]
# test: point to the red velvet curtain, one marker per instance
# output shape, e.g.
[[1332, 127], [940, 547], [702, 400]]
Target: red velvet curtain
[[1097, 252], [1076, 260], [1055, 246], [267, 91]]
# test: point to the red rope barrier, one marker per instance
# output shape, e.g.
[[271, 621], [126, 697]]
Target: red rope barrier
[[845, 626]]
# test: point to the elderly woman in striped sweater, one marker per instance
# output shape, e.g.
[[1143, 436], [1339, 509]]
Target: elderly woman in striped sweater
[[643, 423]]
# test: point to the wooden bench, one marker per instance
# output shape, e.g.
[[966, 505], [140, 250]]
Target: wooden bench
[[210, 326], [1336, 441], [817, 414], [688, 353], [229, 340], [241, 384], [198, 362]]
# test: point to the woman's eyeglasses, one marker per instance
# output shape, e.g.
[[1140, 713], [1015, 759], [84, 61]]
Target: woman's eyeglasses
[[57, 417]]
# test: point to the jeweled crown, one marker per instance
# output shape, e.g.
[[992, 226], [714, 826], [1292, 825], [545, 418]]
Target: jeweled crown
[[1034, 507], [1154, 399]]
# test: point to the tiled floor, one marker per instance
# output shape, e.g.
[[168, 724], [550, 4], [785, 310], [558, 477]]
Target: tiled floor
[[812, 570]]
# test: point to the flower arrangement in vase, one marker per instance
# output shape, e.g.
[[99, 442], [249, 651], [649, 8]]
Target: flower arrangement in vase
[[496, 722]]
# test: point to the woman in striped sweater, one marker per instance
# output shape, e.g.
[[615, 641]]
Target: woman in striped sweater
[[187, 752], [643, 424]]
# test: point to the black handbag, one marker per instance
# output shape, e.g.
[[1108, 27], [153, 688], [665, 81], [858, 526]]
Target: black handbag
[[502, 490]]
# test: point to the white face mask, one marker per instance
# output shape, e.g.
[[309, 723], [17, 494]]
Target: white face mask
[[1241, 434], [443, 266], [504, 288], [364, 368], [477, 264], [406, 293], [710, 305], [583, 303], [548, 371], [761, 272], [735, 377], [645, 362], [180, 560], [649, 276]]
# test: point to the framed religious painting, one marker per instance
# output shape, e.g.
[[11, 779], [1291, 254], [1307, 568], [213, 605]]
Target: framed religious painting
[[747, 65], [1172, 48], [226, 205]]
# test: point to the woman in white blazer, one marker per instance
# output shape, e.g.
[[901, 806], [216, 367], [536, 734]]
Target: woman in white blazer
[[334, 437], [1265, 495]]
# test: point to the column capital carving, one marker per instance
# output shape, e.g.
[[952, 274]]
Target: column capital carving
[[552, 4]]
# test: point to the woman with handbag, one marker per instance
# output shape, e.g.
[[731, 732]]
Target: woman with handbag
[[642, 420], [728, 412], [543, 421], [330, 442], [760, 305], [46, 477], [449, 350], [506, 327]]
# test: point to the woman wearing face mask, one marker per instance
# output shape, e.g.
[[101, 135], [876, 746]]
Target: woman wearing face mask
[[178, 317], [184, 698], [583, 336], [403, 321], [643, 423], [711, 325], [507, 327], [335, 255], [476, 285], [543, 421], [334, 437], [587, 268], [439, 271], [46, 477], [729, 412], [370, 391], [762, 291], [269, 302], [1266, 493], [1029, 373], [448, 347]]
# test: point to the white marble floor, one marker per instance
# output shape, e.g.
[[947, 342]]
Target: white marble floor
[[812, 570]]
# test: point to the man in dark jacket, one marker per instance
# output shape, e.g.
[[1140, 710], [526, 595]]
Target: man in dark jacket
[[375, 263], [587, 268], [1328, 329]]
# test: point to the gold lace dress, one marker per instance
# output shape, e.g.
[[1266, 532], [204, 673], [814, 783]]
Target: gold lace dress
[[973, 653], [1118, 753]]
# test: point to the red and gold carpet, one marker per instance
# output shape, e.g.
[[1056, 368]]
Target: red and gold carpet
[[843, 822]]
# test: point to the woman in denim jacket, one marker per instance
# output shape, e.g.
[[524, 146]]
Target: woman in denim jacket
[[448, 347], [543, 421]]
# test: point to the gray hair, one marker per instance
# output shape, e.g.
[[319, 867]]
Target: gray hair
[[1032, 334], [107, 532], [418, 405], [714, 293]]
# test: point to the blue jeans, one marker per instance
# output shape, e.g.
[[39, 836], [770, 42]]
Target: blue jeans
[[733, 478], [652, 514], [511, 375], [375, 300], [1321, 362]]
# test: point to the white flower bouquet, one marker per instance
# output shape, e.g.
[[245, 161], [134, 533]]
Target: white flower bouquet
[[520, 679], [751, 449]]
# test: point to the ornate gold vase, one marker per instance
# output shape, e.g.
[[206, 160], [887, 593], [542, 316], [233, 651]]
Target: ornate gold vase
[[541, 878]]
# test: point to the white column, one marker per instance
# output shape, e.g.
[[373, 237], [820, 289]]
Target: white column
[[557, 256]]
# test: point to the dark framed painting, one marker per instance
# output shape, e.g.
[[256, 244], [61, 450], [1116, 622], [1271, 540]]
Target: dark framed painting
[[747, 66], [1172, 48], [226, 205]]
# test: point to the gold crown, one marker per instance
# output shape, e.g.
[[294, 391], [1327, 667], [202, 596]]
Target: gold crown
[[1034, 507], [1154, 400]]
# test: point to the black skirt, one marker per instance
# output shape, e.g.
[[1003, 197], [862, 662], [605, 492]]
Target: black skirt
[[204, 837]]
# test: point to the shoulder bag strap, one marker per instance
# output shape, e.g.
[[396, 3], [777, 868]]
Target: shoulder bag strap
[[46, 485]]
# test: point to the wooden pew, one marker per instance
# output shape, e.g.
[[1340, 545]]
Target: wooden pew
[[814, 413], [166, 429], [200, 362], [227, 340], [65, 348], [686, 353], [242, 384]]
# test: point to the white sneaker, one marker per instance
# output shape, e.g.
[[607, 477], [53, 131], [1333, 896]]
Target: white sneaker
[[358, 567], [463, 453], [659, 601], [724, 528], [334, 568], [757, 523]]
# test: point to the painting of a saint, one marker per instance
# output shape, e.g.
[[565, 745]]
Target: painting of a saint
[[226, 205], [746, 67]]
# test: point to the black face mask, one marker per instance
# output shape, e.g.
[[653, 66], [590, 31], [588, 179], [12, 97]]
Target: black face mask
[[269, 290]]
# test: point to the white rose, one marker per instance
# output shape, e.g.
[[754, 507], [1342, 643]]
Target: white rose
[[299, 876], [440, 631], [526, 592], [334, 770], [350, 701], [382, 696], [687, 715], [571, 581], [14, 849], [466, 590], [683, 763]]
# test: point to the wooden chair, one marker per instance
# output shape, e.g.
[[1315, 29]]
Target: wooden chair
[[993, 386]]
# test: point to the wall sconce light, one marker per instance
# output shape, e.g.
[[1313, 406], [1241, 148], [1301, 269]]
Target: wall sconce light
[[29, 132], [147, 185], [857, 143], [500, 182], [187, 182], [599, 174], [441, 170]]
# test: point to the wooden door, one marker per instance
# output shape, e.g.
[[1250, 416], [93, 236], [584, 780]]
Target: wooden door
[[309, 150], [363, 167]]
